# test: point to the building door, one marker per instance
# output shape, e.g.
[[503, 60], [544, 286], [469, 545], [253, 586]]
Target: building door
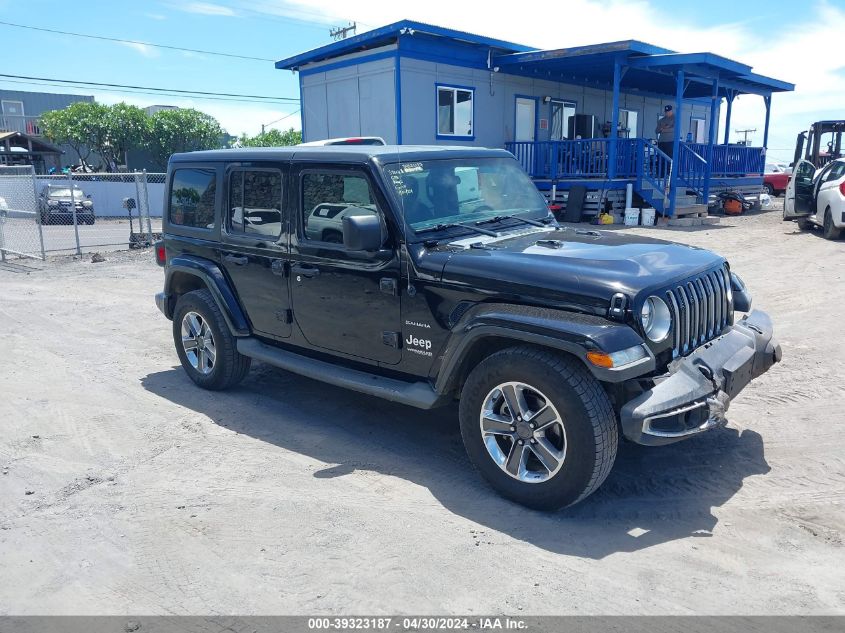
[[628, 123], [562, 111], [525, 132], [698, 131]]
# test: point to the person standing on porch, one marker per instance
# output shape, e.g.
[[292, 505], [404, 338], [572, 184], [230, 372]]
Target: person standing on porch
[[665, 131]]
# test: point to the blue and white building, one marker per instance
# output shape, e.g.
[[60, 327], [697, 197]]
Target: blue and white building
[[415, 83]]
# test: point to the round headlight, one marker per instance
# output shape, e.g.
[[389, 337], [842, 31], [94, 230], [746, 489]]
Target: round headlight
[[656, 319]]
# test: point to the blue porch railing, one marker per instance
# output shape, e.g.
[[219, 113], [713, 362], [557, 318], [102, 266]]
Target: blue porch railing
[[731, 160], [582, 158], [692, 169]]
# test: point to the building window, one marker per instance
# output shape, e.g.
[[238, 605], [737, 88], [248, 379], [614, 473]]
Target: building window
[[627, 123], [192, 194], [562, 112], [255, 202], [454, 111]]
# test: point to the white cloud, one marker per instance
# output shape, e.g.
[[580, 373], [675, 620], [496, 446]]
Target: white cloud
[[145, 49], [156, 16], [207, 8]]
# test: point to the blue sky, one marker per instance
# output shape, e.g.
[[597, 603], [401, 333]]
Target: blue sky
[[773, 36]]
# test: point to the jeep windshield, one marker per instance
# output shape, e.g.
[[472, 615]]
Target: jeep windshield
[[463, 193]]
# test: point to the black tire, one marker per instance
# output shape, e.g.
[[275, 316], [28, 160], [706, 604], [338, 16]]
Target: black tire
[[585, 412], [830, 231], [333, 237], [804, 224], [230, 366], [769, 189]]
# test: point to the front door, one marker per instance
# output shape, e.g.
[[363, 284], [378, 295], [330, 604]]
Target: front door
[[525, 130], [798, 202], [254, 249], [343, 301]]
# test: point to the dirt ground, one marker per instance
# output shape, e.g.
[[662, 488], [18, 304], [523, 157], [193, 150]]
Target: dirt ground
[[127, 490]]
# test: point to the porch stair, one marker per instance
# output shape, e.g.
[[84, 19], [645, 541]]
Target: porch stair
[[655, 197]]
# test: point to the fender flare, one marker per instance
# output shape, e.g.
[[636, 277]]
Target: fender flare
[[570, 332], [216, 283]]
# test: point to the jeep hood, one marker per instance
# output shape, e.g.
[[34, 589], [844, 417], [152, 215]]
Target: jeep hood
[[572, 264]]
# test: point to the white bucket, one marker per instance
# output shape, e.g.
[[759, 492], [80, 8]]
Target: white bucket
[[632, 217], [648, 217]]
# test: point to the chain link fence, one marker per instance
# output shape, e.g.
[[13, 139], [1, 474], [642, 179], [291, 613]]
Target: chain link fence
[[20, 233], [77, 213]]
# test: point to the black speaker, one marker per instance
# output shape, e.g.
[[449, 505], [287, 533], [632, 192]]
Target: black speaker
[[583, 125]]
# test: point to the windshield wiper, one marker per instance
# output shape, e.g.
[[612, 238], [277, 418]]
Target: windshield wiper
[[451, 225], [499, 218]]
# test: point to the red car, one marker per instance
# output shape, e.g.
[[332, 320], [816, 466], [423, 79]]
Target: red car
[[776, 178]]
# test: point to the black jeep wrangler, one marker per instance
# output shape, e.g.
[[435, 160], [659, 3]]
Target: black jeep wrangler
[[424, 275]]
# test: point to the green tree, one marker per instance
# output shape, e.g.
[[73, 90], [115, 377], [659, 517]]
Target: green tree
[[81, 125], [182, 130], [126, 128], [272, 138]]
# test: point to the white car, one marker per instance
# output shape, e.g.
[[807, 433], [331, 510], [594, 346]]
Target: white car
[[350, 140], [816, 197]]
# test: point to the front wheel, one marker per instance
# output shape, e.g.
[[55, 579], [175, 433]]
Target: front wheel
[[538, 426], [206, 348], [769, 189]]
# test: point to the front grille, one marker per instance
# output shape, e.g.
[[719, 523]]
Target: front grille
[[700, 309]]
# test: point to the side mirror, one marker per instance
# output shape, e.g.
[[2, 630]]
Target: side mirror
[[362, 233]]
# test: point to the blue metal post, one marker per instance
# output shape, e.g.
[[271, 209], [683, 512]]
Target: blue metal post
[[768, 102], [728, 116], [614, 123], [711, 139], [676, 142]]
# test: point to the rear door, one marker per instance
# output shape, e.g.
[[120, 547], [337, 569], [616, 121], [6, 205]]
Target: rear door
[[343, 301], [254, 244], [799, 192]]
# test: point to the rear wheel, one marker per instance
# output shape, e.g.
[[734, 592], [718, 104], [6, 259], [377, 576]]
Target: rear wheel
[[830, 231], [538, 427], [769, 189], [206, 348]]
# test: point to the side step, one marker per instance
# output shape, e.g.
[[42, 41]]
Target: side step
[[416, 394]]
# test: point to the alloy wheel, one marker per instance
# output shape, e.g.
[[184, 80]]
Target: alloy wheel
[[523, 432], [198, 343]]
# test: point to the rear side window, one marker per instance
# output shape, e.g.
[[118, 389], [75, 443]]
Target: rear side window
[[255, 202], [192, 194]]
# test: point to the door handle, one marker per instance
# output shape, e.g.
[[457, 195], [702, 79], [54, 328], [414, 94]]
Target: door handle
[[305, 271], [237, 260]]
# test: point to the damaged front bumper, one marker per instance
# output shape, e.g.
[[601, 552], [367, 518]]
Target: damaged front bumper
[[695, 394]]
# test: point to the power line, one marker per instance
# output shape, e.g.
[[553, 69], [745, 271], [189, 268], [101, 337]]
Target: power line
[[138, 92], [171, 91], [123, 41]]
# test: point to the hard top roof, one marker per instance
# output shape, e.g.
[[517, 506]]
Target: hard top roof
[[339, 153]]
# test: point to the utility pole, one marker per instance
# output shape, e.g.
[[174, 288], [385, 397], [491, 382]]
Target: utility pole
[[342, 32], [745, 134]]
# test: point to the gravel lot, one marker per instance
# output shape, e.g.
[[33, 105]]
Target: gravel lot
[[125, 489]]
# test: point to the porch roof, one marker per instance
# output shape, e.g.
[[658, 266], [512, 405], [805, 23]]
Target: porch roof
[[647, 69]]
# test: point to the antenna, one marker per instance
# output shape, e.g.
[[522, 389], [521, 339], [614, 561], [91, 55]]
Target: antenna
[[342, 32]]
